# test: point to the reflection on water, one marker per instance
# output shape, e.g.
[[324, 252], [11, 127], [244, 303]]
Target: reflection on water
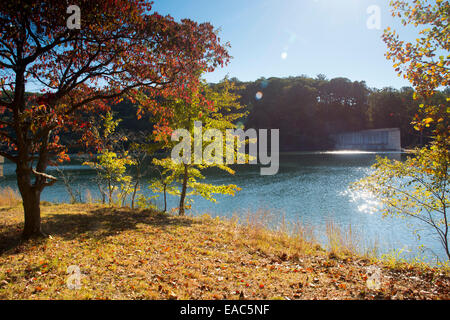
[[365, 201], [311, 187]]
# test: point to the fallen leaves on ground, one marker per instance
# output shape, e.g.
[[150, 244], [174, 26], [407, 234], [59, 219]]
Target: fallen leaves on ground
[[135, 254]]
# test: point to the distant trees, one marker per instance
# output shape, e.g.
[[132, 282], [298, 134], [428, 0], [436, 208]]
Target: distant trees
[[309, 110], [391, 108]]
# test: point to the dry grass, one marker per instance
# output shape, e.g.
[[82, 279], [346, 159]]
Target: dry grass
[[9, 197], [88, 197], [341, 242], [135, 254], [265, 228]]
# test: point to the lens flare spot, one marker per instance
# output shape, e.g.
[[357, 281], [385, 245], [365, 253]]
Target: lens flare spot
[[259, 95], [284, 55]]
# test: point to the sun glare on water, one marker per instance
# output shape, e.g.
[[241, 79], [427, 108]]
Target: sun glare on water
[[348, 152], [365, 201]]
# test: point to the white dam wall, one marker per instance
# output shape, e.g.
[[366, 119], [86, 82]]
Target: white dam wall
[[373, 140]]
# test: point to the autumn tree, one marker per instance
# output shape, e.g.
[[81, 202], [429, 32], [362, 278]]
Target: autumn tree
[[214, 107], [122, 46], [112, 163], [140, 150], [425, 62], [419, 187]]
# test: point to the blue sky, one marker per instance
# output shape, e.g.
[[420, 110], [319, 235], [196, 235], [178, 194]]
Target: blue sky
[[292, 37]]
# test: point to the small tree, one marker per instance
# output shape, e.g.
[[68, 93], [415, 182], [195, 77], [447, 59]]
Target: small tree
[[111, 169], [139, 156], [188, 176], [425, 62], [417, 188], [217, 108], [164, 183], [75, 194], [140, 150], [111, 166]]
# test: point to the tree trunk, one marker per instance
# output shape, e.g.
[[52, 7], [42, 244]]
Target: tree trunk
[[31, 194], [31, 198], [165, 198], [32, 212], [183, 191], [136, 185], [110, 192]]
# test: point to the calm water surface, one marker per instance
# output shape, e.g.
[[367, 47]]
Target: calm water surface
[[311, 188]]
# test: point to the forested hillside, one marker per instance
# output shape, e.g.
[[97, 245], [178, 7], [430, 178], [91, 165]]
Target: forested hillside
[[307, 110]]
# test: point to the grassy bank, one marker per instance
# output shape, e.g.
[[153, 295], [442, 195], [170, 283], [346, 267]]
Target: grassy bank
[[136, 254]]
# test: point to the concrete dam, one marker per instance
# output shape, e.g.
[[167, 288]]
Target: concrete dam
[[369, 140]]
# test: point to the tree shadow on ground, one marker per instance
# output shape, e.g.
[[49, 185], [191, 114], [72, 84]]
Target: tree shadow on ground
[[94, 222]]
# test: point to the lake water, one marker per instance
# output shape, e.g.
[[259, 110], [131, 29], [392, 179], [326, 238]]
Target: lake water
[[311, 188]]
